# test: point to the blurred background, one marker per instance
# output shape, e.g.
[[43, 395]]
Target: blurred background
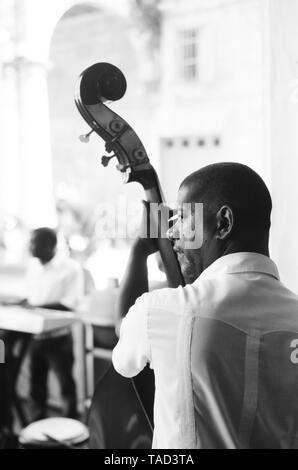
[[208, 81]]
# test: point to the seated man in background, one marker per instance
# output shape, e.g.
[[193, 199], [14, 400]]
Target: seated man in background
[[53, 282]]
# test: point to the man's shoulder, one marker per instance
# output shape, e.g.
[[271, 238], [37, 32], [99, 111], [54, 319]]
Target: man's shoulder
[[34, 267], [168, 299], [67, 263]]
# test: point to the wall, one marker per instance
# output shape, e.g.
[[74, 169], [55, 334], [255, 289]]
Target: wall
[[282, 19], [100, 36], [227, 99]]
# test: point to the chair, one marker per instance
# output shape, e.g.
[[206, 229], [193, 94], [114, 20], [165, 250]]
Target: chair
[[100, 337]]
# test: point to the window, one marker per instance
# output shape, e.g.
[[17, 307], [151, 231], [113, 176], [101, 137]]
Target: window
[[189, 54]]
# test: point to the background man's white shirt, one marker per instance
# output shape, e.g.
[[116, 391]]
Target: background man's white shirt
[[59, 281]]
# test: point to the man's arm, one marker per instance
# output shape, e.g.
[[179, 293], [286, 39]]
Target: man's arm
[[132, 352], [55, 306], [73, 291], [24, 303], [52, 306], [135, 280]]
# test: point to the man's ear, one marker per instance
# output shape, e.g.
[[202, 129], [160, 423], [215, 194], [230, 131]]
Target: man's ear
[[225, 222]]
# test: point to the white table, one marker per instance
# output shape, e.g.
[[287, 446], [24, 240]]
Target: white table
[[22, 324], [33, 320]]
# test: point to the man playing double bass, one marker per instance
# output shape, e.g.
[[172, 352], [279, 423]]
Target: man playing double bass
[[224, 348]]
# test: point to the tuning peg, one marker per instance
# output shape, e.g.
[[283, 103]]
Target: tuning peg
[[105, 159], [85, 137]]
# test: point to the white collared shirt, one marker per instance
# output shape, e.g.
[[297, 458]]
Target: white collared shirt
[[59, 281], [225, 356]]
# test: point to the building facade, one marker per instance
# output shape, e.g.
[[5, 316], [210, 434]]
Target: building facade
[[212, 87]]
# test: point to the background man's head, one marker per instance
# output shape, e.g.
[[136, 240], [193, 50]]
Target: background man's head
[[43, 244], [236, 215]]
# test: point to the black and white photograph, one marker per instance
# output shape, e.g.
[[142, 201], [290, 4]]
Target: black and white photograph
[[148, 227]]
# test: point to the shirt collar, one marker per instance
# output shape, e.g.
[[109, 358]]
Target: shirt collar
[[242, 262]]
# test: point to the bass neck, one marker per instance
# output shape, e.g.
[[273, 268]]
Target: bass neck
[[160, 214]]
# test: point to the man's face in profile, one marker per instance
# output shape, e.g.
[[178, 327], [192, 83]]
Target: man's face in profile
[[191, 236]]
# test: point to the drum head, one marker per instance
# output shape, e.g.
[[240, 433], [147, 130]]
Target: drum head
[[51, 432]]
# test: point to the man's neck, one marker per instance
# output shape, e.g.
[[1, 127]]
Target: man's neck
[[44, 262], [236, 246]]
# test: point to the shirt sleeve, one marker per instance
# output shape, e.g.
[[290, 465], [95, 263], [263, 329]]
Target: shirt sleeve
[[132, 351], [73, 288]]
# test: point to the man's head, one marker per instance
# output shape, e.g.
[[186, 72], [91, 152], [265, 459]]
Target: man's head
[[236, 216], [43, 244]]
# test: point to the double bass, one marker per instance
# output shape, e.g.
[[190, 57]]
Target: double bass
[[121, 412]]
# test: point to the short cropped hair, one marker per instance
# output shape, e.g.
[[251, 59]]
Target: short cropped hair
[[234, 185], [45, 236]]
